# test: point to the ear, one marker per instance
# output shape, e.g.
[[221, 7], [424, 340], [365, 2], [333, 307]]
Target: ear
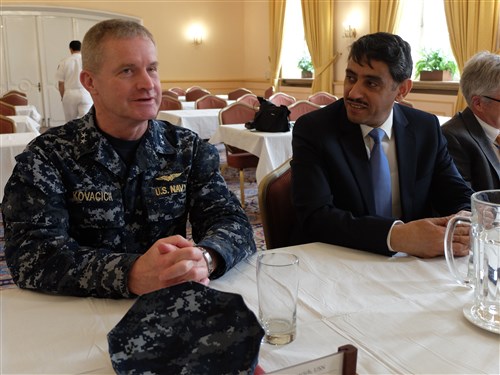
[[404, 89], [87, 80], [476, 103]]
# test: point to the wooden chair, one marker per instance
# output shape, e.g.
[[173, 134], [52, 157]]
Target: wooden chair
[[234, 95], [280, 98], [194, 88], [7, 125], [322, 98], [178, 91], [15, 92], [275, 205], [209, 101], [238, 113], [269, 92], [14, 99], [300, 108], [250, 99], [7, 109], [169, 103], [171, 93], [195, 94]]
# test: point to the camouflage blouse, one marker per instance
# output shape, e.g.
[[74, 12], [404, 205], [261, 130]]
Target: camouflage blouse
[[76, 217]]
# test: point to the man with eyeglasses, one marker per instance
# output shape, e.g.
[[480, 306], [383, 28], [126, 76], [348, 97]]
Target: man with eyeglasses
[[473, 135]]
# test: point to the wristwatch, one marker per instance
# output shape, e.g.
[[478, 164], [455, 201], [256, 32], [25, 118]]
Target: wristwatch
[[208, 259]]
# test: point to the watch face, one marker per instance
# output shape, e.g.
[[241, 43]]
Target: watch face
[[209, 260]]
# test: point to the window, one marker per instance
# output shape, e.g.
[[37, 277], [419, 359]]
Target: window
[[423, 25], [293, 49]]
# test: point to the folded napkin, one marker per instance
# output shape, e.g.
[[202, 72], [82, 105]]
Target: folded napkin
[[186, 329]]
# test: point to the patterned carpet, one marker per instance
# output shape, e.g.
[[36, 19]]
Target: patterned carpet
[[232, 179]]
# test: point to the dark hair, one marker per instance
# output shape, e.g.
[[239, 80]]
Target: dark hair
[[388, 48], [75, 45]]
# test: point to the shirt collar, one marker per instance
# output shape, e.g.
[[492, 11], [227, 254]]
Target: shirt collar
[[386, 126], [491, 132]]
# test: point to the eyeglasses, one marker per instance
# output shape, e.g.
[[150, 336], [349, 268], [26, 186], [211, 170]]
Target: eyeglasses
[[489, 97]]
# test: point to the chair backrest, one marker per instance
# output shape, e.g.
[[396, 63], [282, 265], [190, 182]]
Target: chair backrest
[[15, 92], [14, 99], [236, 113], [269, 92], [280, 98], [194, 88], [250, 99], [179, 91], [322, 98], [300, 108], [209, 101], [7, 125], [195, 94], [171, 93], [234, 95], [7, 109], [169, 103], [276, 208]]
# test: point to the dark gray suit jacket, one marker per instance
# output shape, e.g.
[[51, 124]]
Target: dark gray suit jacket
[[331, 186], [472, 151]]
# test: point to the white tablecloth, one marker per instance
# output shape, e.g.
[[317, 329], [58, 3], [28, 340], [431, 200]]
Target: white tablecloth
[[28, 110], [202, 121], [11, 145], [403, 314], [25, 124], [273, 149]]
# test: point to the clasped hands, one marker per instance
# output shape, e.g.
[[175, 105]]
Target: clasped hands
[[170, 261], [424, 238]]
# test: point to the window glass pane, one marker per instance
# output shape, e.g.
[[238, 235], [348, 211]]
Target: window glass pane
[[423, 25], [294, 45]]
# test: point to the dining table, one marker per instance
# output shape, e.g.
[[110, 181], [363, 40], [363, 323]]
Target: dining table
[[403, 314], [202, 121], [11, 145], [25, 124], [273, 149], [28, 110]]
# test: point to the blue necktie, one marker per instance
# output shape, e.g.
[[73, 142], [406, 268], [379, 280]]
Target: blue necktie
[[381, 176]]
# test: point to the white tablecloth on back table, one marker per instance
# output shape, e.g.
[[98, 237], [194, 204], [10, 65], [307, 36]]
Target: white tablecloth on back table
[[404, 315], [28, 110], [25, 124], [273, 149], [10, 146], [202, 121]]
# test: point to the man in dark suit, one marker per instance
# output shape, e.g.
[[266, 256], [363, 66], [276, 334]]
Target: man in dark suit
[[332, 187], [474, 134]]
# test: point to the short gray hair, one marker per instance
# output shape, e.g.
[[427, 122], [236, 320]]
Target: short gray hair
[[113, 28], [481, 75]]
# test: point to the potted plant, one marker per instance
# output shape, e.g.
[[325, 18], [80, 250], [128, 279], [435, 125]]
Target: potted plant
[[434, 66], [305, 65]]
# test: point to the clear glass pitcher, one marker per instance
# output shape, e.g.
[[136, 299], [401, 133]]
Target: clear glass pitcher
[[485, 247]]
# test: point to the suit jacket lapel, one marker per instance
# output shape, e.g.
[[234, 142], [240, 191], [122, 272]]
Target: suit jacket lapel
[[478, 134], [406, 151], [353, 146]]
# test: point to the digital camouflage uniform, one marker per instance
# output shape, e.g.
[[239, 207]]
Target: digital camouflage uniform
[[186, 329], [76, 217]]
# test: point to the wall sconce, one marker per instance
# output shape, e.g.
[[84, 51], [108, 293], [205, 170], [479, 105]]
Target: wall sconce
[[349, 31], [196, 34]]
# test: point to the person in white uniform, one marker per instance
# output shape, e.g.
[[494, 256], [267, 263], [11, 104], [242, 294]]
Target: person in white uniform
[[76, 100]]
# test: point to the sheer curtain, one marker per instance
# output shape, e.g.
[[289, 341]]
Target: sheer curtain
[[276, 22], [384, 15], [318, 31], [473, 27]]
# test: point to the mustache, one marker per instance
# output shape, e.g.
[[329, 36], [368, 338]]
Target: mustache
[[355, 101]]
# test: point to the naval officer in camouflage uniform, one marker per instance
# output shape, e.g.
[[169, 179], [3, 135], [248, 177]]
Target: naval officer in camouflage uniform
[[98, 207]]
